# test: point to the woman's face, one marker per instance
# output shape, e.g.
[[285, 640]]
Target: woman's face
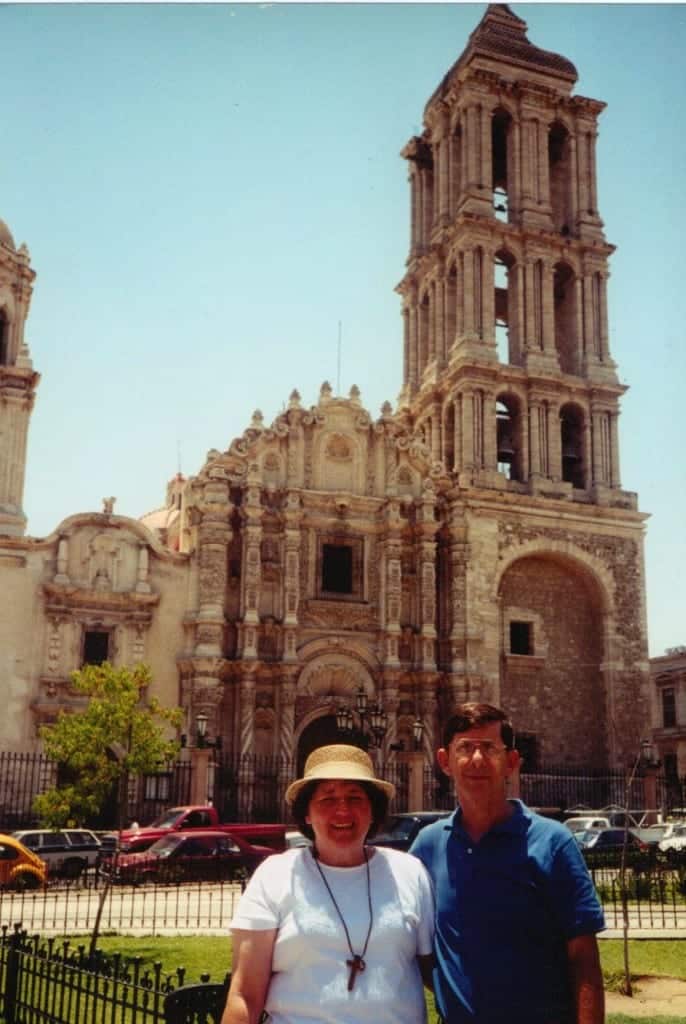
[[340, 814]]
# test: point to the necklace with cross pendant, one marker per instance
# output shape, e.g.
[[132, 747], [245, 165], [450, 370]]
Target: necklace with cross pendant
[[356, 965]]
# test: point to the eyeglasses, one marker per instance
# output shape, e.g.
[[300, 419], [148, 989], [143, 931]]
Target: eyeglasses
[[466, 749]]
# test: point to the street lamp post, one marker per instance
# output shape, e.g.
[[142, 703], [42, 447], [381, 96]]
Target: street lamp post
[[201, 782], [373, 723]]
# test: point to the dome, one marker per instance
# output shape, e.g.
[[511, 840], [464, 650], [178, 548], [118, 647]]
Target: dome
[[6, 235]]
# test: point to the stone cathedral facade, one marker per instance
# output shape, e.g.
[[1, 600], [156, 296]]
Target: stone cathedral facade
[[472, 543]]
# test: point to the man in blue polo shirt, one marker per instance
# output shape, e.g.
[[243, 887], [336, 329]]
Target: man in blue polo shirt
[[516, 911]]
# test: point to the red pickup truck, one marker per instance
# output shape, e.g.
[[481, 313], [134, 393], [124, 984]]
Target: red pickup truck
[[177, 819]]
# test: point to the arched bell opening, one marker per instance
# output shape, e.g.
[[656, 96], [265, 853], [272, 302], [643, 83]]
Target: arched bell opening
[[572, 445], [509, 437], [560, 174], [564, 299], [500, 136]]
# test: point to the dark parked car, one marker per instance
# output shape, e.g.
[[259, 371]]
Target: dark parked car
[[602, 847], [402, 828], [188, 856]]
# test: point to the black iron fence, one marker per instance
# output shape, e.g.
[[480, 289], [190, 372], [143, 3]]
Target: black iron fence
[[560, 790], [49, 982], [251, 788], [655, 895], [22, 778]]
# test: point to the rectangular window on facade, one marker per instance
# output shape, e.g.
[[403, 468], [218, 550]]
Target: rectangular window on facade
[[668, 707], [337, 569], [521, 638], [96, 647]]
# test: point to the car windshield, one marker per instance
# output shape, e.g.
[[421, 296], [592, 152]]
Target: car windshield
[[164, 846], [167, 819], [585, 836]]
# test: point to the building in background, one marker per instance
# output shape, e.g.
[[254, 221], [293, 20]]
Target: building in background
[[475, 542], [668, 675]]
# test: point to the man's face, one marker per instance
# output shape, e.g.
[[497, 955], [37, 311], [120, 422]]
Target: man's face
[[478, 762]]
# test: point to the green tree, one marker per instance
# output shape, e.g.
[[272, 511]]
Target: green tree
[[118, 734]]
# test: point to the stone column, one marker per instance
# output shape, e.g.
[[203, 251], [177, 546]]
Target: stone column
[[214, 537], [414, 759], [514, 172], [458, 590], [468, 325], [252, 577], [246, 775], [488, 299], [390, 701], [574, 179], [547, 309], [406, 345], [291, 577], [200, 774], [616, 480], [415, 207], [554, 439], [531, 339], [440, 347], [142, 584], [287, 693], [427, 713], [603, 341], [413, 379], [538, 462], [467, 429], [426, 535], [543, 168], [392, 582], [490, 431], [62, 561], [593, 189]]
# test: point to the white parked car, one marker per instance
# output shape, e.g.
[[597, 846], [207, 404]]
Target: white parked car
[[582, 823], [674, 842]]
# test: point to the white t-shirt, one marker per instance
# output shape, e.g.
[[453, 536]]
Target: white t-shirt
[[310, 979]]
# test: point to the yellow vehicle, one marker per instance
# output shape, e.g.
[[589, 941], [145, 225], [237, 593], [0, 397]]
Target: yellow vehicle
[[20, 868]]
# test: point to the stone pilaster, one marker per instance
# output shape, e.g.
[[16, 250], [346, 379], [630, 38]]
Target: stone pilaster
[[292, 516], [426, 544], [247, 714], [214, 537], [287, 694], [391, 545], [252, 578]]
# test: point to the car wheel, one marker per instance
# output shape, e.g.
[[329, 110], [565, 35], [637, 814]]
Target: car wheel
[[24, 880], [73, 868]]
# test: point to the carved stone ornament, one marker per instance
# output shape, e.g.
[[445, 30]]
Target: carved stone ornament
[[338, 448], [333, 678]]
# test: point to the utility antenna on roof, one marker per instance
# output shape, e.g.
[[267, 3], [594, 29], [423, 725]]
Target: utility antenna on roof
[[338, 359]]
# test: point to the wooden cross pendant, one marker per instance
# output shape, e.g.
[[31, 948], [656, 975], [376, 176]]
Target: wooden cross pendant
[[356, 965]]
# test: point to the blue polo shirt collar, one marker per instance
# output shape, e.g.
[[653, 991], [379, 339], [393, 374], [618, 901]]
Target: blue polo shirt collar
[[518, 822]]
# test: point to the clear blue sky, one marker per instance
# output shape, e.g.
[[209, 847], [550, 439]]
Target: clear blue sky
[[206, 191]]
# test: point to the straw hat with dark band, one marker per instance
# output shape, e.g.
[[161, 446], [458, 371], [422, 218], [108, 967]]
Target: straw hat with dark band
[[339, 761]]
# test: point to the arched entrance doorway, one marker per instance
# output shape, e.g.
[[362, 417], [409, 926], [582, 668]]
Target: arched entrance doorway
[[318, 733]]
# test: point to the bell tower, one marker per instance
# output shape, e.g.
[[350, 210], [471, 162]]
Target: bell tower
[[509, 383], [18, 380], [507, 368]]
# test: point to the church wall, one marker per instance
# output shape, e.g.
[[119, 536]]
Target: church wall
[[165, 641], [21, 642]]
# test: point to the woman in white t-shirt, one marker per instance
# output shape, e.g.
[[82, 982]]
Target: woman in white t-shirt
[[339, 933]]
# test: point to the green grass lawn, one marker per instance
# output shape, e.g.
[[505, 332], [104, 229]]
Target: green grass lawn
[[212, 955]]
